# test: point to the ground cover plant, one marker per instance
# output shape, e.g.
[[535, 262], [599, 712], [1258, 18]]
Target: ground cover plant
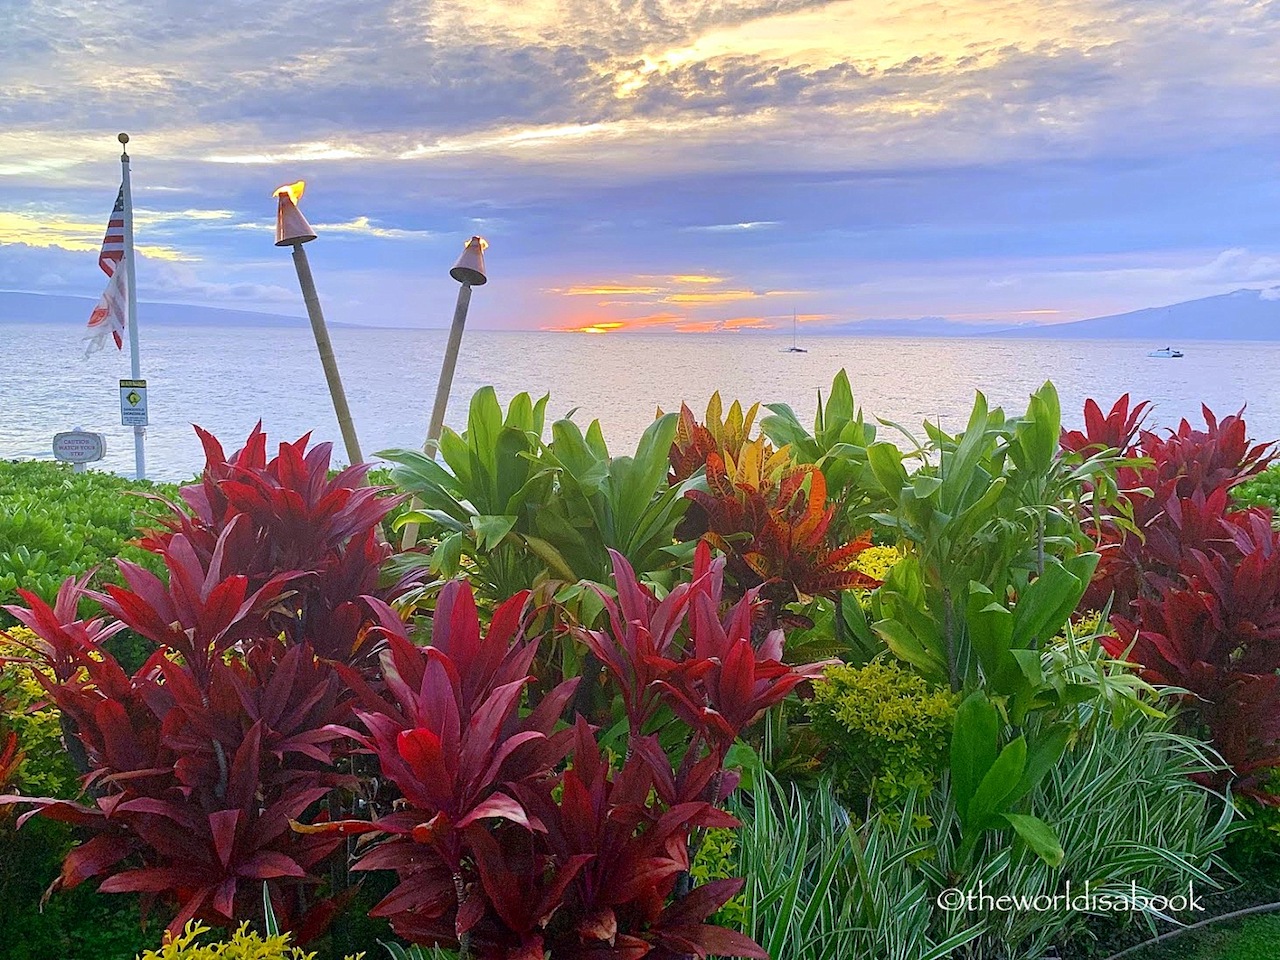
[[758, 688]]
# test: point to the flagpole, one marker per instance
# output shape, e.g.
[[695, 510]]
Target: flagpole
[[135, 364]]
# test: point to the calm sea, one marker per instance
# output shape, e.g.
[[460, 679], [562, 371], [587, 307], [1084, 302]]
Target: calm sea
[[226, 379]]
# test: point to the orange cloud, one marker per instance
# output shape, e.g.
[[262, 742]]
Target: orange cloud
[[604, 290], [716, 296], [695, 278], [596, 328], [696, 297], [747, 323]]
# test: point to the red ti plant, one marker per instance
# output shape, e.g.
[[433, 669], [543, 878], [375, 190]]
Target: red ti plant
[[11, 758], [1178, 491], [192, 786], [1216, 634], [1116, 430], [1196, 590], [715, 677], [199, 761], [291, 516], [517, 837]]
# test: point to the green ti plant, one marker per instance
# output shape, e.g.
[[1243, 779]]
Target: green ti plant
[[996, 562], [481, 502], [511, 510], [604, 502]]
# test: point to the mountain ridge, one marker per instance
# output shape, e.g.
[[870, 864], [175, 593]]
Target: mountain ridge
[[1241, 315]]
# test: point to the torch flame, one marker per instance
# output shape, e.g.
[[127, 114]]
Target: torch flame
[[291, 190], [484, 244]]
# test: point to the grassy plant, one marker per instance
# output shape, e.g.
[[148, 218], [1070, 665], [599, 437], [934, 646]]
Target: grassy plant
[[1128, 815], [821, 885]]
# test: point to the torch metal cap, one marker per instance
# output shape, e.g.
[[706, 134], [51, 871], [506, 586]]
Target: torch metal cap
[[470, 266], [291, 225]]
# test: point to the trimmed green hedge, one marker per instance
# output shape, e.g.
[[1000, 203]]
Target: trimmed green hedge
[[55, 523], [1262, 491]]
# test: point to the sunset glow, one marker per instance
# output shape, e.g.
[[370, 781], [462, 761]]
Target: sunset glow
[[659, 167]]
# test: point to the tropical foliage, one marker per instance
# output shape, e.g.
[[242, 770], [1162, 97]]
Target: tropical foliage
[[758, 688], [196, 763]]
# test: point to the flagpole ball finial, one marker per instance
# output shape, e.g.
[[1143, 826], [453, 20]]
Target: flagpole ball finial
[[123, 137]]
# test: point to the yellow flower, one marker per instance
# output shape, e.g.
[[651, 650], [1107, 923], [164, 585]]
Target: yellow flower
[[878, 561]]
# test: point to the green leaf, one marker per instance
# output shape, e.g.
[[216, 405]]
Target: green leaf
[[269, 913], [840, 407], [551, 557], [1046, 604], [454, 451], [998, 784], [1028, 662], [976, 514], [973, 747], [990, 628], [1039, 836], [906, 645], [886, 465], [484, 422], [1042, 756], [642, 475], [924, 485], [491, 529], [447, 556]]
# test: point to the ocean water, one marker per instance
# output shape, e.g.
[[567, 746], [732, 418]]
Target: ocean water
[[227, 379]]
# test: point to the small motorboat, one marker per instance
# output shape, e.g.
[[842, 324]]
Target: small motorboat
[[1167, 353]]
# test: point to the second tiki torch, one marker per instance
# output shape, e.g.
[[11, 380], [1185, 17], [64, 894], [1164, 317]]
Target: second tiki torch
[[469, 272]]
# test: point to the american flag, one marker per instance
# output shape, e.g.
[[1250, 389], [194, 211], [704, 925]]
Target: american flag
[[113, 243], [109, 315]]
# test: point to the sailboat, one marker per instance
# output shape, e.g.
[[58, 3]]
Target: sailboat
[[793, 348]]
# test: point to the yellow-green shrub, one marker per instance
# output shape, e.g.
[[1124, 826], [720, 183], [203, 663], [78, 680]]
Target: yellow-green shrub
[[887, 729], [245, 944], [47, 770], [716, 860]]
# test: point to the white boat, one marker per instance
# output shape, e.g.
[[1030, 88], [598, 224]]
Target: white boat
[[1166, 352], [793, 348]]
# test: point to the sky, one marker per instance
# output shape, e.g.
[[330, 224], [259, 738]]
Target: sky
[[710, 165]]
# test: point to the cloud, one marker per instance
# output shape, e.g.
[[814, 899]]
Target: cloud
[[716, 296], [604, 290], [988, 158], [1237, 265], [182, 283], [51, 229], [735, 227], [297, 153]]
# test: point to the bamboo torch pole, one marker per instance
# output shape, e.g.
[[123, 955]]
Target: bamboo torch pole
[[469, 272], [292, 230]]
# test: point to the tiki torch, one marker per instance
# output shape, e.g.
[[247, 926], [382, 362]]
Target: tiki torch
[[292, 230], [469, 272]]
